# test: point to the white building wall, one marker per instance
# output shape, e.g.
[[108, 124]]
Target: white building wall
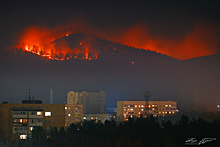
[[93, 102]]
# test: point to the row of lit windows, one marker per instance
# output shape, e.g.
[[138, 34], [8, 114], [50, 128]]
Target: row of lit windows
[[153, 109], [76, 108], [72, 115], [23, 128], [146, 106], [90, 117], [24, 121], [133, 109], [20, 121], [134, 106], [39, 113], [166, 112]]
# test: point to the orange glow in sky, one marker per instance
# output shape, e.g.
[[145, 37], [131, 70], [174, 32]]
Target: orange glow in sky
[[199, 41], [202, 40]]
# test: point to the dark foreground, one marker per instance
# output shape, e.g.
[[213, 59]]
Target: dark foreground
[[138, 132]]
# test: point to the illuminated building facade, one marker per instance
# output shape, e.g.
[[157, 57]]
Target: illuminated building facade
[[94, 102], [126, 109], [73, 114], [17, 120], [96, 117]]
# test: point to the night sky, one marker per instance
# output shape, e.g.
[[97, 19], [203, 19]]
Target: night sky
[[182, 30]]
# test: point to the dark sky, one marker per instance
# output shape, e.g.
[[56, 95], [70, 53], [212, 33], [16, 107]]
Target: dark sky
[[181, 29], [163, 26]]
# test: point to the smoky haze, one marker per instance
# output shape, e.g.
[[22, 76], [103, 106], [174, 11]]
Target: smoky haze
[[180, 30], [123, 72]]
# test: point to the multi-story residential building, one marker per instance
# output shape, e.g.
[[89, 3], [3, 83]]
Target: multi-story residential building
[[97, 117], [17, 120], [73, 114], [94, 102], [126, 109]]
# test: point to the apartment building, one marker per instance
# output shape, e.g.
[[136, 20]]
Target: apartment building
[[96, 117], [18, 120], [126, 109], [73, 114], [94, 102]]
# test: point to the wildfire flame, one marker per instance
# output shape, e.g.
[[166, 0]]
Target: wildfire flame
[[43, 43], [200, 41]]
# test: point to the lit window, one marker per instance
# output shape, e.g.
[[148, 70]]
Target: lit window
[[159, 112], [91, 117], [124, 109], [68, 107], [149, 106], [65, 107], [131, 116], [139, 105], [218, 106], [31, 128], [84, 117], [173, 111], [39, 113], [47, 113], [153, 109], [142, 109], [169, 105], [152, 105], [139, 112], [135, 105], [23, 136], [69, 114], [166, 105], [163, 112], [169, 112], [131, 108], [128, 105], [142, 105]]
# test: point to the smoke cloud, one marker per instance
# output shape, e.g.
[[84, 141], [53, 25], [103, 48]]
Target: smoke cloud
[[202, 40]]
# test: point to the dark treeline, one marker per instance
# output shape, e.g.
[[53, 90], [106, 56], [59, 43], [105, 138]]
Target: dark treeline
[[139, 132]]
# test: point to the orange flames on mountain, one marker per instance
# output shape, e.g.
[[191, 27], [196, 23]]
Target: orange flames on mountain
[[42, 42], [200, 41]]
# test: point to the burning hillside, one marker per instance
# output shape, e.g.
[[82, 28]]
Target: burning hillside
[[55, 45]]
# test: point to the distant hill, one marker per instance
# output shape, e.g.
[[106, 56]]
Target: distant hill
[[123, 72]]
